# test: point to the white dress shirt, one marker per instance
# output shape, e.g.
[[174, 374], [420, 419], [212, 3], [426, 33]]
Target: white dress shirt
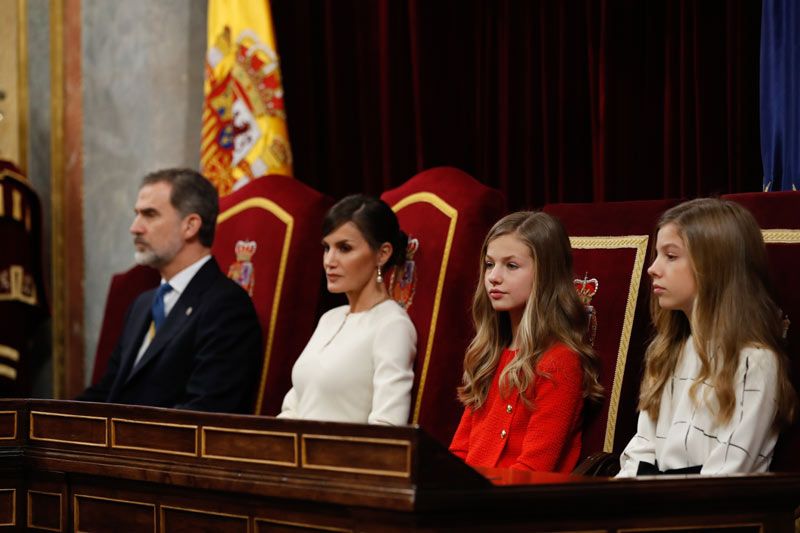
[[178, 282]]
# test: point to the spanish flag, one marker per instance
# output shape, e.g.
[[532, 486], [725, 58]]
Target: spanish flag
[[244, 122]]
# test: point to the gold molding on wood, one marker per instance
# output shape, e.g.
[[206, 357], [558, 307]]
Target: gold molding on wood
[[399, 443], [60, 510], [66, 198]]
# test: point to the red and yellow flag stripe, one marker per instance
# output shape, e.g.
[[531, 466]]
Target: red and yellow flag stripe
[[244, 133]]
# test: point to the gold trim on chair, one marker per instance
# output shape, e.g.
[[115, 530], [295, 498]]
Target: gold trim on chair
[[286, 218], [452, 214], [781, 236], [639, 243]]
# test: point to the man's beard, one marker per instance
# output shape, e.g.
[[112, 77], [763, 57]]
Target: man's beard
[[147, 258], [152, 258]]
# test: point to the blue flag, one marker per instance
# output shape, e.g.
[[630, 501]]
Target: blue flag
[[780, 94]]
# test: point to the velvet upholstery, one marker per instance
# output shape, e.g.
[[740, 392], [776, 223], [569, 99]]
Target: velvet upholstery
[[449, 213], [281, 271], [610, 243], [778, 214], [273, 225]]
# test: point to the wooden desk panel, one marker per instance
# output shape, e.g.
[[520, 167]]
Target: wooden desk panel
[[70, 466]]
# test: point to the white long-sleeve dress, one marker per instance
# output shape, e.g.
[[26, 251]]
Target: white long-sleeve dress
[[685, 434], [357, 367]]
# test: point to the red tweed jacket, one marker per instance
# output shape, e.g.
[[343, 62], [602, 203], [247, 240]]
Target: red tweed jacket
[[505, 433]]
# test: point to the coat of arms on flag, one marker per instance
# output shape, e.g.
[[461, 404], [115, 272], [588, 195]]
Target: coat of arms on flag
[[244, 132]]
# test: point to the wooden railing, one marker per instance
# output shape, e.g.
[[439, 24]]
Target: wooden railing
[[70, 466]]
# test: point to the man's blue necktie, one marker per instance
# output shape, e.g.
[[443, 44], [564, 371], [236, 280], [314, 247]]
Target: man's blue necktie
[[158, 305]]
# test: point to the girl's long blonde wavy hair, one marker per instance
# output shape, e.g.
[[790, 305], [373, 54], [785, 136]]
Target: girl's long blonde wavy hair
[[553, 313], [733, 308]]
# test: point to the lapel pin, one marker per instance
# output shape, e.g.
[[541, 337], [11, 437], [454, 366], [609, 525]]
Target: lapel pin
[[188, 311]]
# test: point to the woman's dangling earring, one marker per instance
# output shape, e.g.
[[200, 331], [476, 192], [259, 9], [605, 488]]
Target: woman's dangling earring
[[379, 279]]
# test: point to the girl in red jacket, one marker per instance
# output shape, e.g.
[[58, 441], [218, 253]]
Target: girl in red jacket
[[529, 368]]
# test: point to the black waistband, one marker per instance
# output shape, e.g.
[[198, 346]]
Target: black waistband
[[647, 469]]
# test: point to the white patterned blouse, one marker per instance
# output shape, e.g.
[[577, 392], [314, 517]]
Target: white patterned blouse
[[685, 434]]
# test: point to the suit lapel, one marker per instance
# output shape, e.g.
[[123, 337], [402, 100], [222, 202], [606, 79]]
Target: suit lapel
[[179, 316], [140, 321]]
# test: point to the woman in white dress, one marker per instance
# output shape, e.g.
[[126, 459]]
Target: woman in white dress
[[715, 391], [358, 364]]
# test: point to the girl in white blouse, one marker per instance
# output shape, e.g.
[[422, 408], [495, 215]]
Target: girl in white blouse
[[715, 390], [358, 364]]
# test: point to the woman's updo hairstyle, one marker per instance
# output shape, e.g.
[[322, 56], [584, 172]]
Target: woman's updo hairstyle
[[376, 221]]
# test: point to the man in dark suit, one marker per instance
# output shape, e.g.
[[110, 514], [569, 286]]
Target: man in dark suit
[[194, 342]]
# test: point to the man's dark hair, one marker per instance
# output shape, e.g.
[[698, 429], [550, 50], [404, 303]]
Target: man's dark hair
[[191, 193]]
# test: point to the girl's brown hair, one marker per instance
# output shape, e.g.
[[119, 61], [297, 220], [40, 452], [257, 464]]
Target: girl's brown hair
[[733, 308], [553, 313]]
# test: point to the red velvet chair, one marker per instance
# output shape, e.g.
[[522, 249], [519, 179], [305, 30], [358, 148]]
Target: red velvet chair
[[268, 240], [778, 214], [610, 243], [448, 213]]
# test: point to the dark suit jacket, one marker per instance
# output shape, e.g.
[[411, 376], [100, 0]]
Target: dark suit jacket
[[206, 356]]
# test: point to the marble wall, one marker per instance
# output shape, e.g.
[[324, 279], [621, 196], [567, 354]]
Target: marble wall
[[142, 100], [142, 78]]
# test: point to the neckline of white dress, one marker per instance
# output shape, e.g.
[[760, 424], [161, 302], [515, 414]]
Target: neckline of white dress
[[370, 308]]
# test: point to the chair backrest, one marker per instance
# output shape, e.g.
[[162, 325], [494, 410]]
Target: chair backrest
[[23, 303], [123, 290], [777, 214], [610, 243], [446, 214], [268, 235]]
